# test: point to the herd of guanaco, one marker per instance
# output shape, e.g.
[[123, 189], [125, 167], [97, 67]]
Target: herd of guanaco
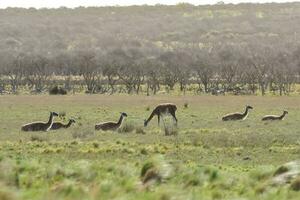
[[46, 126], [159, 111], [244, 115]]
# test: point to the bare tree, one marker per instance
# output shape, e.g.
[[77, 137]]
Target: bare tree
[[229, 58], [169, 69], [152, 73], [132, 76], [38, 73], [110, 71], [283, 72], [16, 71], [89, 70], [259, 58], [204, 69]]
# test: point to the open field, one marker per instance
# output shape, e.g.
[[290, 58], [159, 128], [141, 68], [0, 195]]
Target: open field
[[207, 159]]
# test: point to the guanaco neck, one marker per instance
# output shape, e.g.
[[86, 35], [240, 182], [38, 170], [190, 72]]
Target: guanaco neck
[[120, 120], [283, 115], [50, 121], [151, 116], [246, 112], [68, 125]]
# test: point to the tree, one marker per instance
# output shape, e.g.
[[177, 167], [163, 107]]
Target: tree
[[38, 73], [15, 71], [230, 59], [259, 58], [89, 70], [153, 75], [204, 68], [110, 71]]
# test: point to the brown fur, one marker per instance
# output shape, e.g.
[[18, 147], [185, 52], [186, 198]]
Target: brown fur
[[110, 126], [166, 108], [274, 117], [40, 126], [59, 125], [237, 116]]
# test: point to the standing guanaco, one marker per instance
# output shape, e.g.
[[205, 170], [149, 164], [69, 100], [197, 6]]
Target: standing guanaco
[[40, 126], [237, 116], [166, 108]]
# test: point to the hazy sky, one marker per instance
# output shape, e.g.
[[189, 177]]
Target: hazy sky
[[76, 3]]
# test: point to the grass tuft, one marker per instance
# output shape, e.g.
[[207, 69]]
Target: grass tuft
[[186, 105], [126, 128], [38, 138], [81, 134], [295, 185]]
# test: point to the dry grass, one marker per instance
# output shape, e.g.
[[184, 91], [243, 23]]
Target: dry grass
[[110, 163]]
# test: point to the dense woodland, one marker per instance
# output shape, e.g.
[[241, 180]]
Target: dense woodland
[[243, 49]]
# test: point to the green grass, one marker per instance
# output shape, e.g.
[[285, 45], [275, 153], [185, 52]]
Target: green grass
[[207, 159]]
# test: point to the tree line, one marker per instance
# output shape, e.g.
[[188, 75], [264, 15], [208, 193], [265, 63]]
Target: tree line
[[242, 49], [243, 70]]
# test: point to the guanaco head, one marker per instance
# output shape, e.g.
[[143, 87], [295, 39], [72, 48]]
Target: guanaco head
[[54, 114], [124, 114], [249, 107]]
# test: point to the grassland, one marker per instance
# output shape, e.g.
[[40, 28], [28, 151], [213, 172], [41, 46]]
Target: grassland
[[207, 159]]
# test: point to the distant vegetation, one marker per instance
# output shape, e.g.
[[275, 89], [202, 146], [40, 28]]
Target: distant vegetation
[[243, 49]]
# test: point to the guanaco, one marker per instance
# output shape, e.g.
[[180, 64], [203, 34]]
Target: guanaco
[[166, 108], [111, 126], [275, 117], [40, 126], [59, 125], [237, 116]]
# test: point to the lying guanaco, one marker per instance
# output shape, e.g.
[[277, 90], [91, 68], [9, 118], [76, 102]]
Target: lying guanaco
[[275, 117], [237, 116], [59, 125], [111, 126], [40, 126]]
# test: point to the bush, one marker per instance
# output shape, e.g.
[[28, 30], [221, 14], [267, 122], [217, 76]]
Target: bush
[[57, 91], [62, 114], [186, 105], [126, 128], [295, 185], [140, 130]]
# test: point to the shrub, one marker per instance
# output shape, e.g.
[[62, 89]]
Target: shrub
[[144, 151], [140, 130], [126, 128], [62, 114], [57, 91], [295, 185], [186, 105], [146, 167]]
